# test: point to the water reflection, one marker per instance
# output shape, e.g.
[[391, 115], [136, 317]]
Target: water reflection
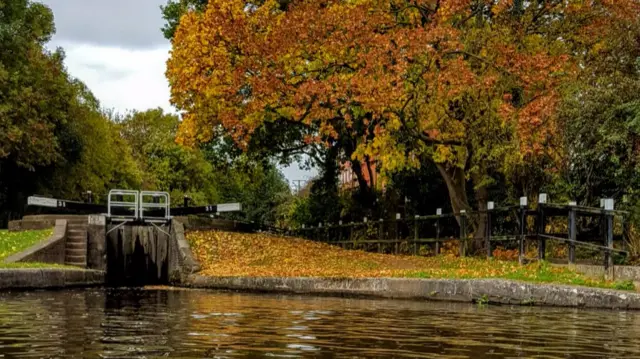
[[115, 323]]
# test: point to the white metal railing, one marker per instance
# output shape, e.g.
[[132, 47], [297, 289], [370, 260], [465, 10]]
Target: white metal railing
[[131, 205], [159, 201], [147, 206]]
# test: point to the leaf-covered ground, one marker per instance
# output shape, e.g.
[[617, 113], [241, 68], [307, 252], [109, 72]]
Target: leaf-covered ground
[[15, 242], [260, 255]]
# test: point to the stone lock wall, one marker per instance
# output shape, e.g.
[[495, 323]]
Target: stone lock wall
[[96, 243]]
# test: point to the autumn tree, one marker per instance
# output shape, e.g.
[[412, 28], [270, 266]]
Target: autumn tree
[[471, 85], [279, 137]]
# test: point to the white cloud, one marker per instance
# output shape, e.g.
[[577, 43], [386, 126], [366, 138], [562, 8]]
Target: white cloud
[[122, 79]]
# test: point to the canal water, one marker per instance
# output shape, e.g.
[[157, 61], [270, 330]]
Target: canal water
[[151, 323]]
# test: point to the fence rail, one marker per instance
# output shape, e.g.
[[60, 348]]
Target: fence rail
[[480, 232]]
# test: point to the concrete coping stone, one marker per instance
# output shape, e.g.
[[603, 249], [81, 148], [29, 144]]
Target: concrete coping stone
[[48, 278], [496, 291]]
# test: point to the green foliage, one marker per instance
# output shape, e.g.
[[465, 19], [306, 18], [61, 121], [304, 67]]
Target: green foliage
[[37, 100], [165, 165], [214, 173], [16, 242], [600, 118], [173, 11], [625, 285], [53, 138], [106, 162], [258, 185], [483, 300]]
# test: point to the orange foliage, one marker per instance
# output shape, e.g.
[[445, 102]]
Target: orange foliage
[[505, 254], [439, 71]]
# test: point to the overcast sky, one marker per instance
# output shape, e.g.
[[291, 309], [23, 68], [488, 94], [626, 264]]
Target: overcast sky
[[117, 49]]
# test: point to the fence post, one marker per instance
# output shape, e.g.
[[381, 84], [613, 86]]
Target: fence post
[[340, 231], [523, 228], [350, 234], [415, 235], [438, 213], [572, 235], [490, 206], [397, 233], [185, 201], [540, 227], [608, 256], [380, 235], [626, 227], [463, 233]]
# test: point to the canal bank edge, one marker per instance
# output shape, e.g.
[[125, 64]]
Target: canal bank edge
[[49, 278], [496, 291]]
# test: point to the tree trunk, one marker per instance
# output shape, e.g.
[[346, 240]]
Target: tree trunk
[[372, 182], [455, 180], [366, 196], [363, 186], [480, 222]]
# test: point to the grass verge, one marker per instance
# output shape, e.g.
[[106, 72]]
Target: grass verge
[[16, 242], [259, 255]]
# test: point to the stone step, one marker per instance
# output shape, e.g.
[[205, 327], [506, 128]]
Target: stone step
[[76, 229], [76, 239], [75, 252], [77, 245], [77, 222], [75, 258], [76, 264]]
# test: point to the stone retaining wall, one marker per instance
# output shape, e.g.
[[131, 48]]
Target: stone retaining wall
[[49, 278], [41, 221], [30, 225], [472, 290], [96, 242], [631, 273], [51, 250], [182, 263]]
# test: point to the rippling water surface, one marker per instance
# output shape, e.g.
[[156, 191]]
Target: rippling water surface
[[120, 323]]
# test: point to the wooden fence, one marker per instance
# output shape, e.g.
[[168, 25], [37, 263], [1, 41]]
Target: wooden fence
[[480, 232]]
